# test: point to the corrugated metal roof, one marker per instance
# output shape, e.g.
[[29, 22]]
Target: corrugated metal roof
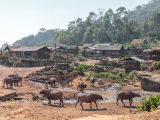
[[88, 44], [109, 47], [72, 47], [136, 59]]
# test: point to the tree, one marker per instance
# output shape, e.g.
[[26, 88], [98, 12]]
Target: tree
[[42, 30], [44, 43], [3, 46]]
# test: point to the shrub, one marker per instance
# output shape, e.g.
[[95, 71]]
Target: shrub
[[83, 52], [6, 53], [149, 104], [121, 75], [81, 69], [80, 58], [60, 72], [143, 66]]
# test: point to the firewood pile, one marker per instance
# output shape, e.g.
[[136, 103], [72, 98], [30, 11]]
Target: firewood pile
[[46, 73]]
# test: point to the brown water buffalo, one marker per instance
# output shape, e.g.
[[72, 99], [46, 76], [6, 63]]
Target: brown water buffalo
[[88, 98], [69, 80], [52, 81], [53, 95], [19, 79], [81, 86], [126, 95], [92, 81], [8, 81]]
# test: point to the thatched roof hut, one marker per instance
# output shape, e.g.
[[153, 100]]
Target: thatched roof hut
[[155, 51]]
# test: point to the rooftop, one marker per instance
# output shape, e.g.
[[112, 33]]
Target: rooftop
[[109, 47], [72, 47], [35, 48], [136, 41], [135, 59]]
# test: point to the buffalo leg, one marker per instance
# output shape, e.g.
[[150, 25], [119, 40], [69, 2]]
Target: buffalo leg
[[76, 103], [91, 105], [49, 101], [131, 101], [61, 101], [117, 100], [81, 104], [122, 102], [96, 104]]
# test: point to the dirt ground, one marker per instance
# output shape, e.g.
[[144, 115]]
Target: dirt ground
[[38, 110]]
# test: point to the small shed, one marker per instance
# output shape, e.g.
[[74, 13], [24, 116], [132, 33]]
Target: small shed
[[63, 66], [72, 49], [137, 50], [132, 63]]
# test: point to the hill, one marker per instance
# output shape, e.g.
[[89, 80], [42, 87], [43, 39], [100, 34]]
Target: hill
[[43, 37], [143, 12]]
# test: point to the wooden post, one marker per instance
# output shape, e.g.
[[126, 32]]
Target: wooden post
[[56, 56]]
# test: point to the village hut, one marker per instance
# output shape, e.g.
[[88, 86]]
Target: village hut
[[155, 53], [41, 52], [110, 50], [132, 63], [137, 50], [72, 49]]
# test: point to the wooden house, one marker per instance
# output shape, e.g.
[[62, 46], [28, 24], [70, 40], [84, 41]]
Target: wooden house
[[110, 50], [132, 63], [136, 50], [41, 52], [155, 53], [72, 49]]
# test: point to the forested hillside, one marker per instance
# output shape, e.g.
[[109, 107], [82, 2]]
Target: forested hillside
[[144, 12], [43, 37], [112, 27]]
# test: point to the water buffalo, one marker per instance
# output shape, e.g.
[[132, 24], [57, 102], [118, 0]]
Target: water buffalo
[[69, 80], [88, 98], [92, 81], [52, 81], [17, 78], [53, 95], [126, 95], [81, 85], [8, 81]]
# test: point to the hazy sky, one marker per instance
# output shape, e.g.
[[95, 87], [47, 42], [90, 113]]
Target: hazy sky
[[20, 18]]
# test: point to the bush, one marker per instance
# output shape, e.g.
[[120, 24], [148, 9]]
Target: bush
[[121, 75], [81, 69], [6, 53], [149, 104], [80, 58], [60, 72], [83, 52]]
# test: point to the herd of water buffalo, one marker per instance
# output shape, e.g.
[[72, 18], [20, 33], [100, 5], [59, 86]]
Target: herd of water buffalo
[[83, 97]]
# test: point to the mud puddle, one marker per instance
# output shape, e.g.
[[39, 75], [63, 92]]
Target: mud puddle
[[109, 93]]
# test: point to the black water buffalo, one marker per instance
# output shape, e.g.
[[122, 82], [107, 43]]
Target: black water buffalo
[[53, 95], [8, 81], [92, 81], [88, 98], [81, 86]]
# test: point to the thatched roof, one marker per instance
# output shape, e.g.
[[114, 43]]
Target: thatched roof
[[137, 41], [155, 51]]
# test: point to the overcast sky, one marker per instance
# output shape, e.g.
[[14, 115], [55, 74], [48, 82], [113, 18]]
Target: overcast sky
[[20, 18]]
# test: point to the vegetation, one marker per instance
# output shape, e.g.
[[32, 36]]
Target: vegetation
[[60, 72], [6, 53], [149, 104], [84, 52], [80, 58], [120, 27], [43, 37]]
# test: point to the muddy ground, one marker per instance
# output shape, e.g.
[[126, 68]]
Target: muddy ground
[[27, 109]]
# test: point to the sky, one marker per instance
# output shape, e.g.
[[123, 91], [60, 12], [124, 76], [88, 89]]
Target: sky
[[20, 18]]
